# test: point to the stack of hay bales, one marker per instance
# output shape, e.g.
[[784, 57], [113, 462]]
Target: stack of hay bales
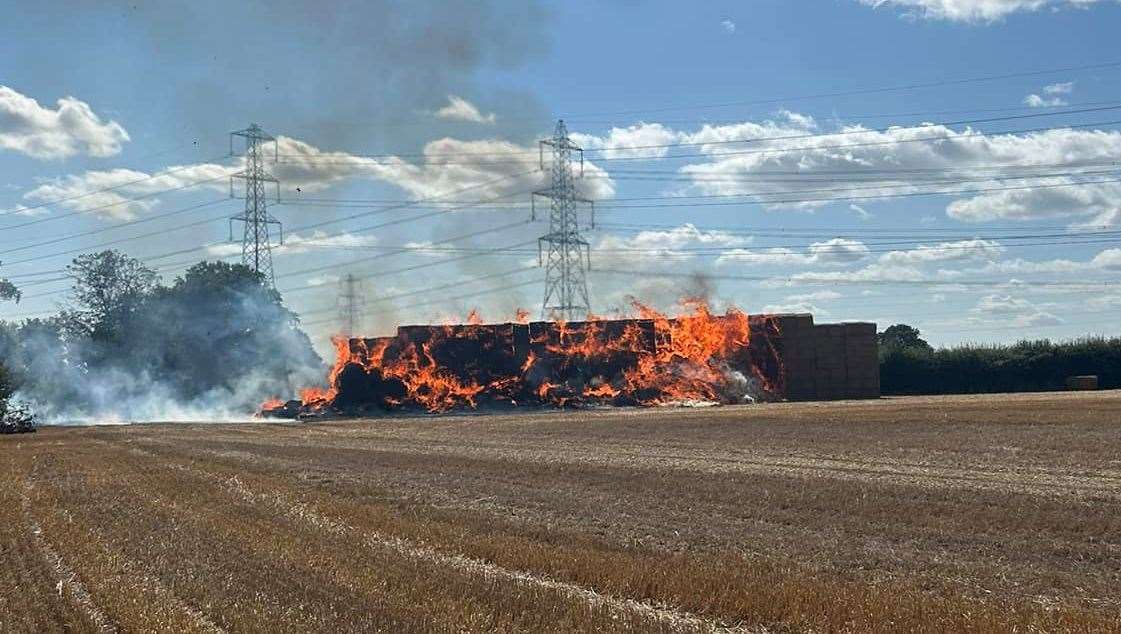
[[829, 361]]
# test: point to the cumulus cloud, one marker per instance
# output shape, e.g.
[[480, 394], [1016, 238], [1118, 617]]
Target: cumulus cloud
[[296, 243], [834, 251], [1023, 176], [802, 303], [876, 272], [634, 141], [1035, 101], [651, 247], [459, 109], [450, 170], [1089, 203], [1018, 312], [491, 168], [127, 193], [975, 249], [974, 11], [1001, 305], [70, 128]]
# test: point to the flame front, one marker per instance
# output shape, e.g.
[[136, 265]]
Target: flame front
[[652, 360]]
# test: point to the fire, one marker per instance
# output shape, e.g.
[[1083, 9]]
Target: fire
[[651, 360]]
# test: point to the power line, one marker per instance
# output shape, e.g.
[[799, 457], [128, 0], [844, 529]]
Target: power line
[[431, 289], [126, 239], [114, 204], [866, 115], [758, 139], [801, 279], [788, 201], [444, 299], [24, 209], [883, 130], [865, 91]]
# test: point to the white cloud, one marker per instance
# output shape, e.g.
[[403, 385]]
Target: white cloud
[[452, 170], [777, 158], [973, 11], [428, 249], [876, 272], [802, 303], [662, 246], [1109, 259], [459, 109], [296, 243], [817, 296], [1014, 311], [491, 168], [975, 249], [835, 251], [322, 280], [224, 250], [71, 128], [632, 141], [1061, 88], [1002, 305], [1036, 319], [729, 26], [1035, 101], [838, 251], [1093, 204], [1052, 96], [861, 212], [133, 191], [794, 307]]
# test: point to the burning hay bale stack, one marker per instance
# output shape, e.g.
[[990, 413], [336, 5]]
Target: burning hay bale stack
[[646, 361], [651, 360]]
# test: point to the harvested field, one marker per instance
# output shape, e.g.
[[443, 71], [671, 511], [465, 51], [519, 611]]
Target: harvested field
[[988, 513]]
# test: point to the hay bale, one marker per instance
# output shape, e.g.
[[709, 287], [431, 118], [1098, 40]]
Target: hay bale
[[1082, 383]]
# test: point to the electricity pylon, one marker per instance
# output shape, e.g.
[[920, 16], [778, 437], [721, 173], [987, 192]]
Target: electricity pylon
[[350, 301], [564, 253], [256, 246]]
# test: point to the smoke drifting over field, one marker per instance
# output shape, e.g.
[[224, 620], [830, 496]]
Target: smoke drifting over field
[[204, 348]]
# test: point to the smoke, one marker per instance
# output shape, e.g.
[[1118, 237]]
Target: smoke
[[208, 347], [347, 73]]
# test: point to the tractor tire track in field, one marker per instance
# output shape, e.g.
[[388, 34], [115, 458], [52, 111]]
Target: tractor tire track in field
[[68, 583]]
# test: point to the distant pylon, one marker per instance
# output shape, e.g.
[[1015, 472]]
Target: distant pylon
[[563, 252], [256, 246], [351, 299]]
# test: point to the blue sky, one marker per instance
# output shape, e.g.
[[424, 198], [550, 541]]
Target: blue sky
[[381, 103]]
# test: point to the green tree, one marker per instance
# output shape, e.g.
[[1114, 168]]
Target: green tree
[[109, 288], [902, 337]]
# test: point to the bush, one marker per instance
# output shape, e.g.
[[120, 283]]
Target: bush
[[1026, 366], [13, 418]]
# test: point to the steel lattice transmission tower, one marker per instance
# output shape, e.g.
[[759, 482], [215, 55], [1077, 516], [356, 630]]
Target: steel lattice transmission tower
[[351, 299], [256, 245], [564, 253]]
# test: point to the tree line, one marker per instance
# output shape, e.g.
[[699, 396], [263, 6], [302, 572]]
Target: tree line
[[910, 365]]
